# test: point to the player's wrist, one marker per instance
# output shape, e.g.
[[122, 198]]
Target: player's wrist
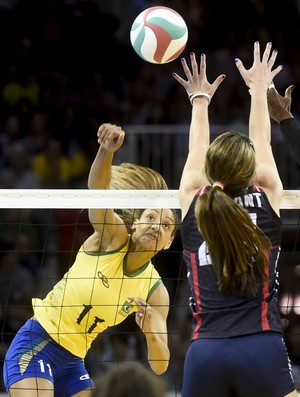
[[199, 94]]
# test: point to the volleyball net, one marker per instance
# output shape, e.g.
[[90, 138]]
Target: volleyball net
[[41, 232]]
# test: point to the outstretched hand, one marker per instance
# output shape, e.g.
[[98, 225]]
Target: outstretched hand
[[280, 106], [260, 74], [196, 77], [110, 137]]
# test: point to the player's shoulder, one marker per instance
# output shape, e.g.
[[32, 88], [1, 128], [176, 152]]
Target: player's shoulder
[[160, 294]]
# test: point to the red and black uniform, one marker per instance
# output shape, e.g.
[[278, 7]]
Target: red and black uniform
[[229, 332]]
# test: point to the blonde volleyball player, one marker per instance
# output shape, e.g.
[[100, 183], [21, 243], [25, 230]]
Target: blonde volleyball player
[[230, 194], [112, 277]]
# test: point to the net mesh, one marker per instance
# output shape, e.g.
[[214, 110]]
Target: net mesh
[[41, 232]]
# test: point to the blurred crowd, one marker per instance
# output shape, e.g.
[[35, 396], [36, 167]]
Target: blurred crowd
[[66, 67]]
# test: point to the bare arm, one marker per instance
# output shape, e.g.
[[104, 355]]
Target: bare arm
[[151, 317], [104, 221], [258, 78], [199, 135]]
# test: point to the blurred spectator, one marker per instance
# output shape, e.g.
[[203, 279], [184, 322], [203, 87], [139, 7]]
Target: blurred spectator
[[37, 134], [114, 348], [130, 379], [18, 168], [22, 86], [9, 134], [52, 167], [16, 281]]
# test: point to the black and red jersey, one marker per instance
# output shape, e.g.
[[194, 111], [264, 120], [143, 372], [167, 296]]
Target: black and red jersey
[[220, 315]]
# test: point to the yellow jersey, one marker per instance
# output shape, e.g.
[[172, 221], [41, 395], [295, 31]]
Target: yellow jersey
[[92, 296]]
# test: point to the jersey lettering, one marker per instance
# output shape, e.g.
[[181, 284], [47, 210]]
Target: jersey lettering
[[203, 255], [249, 200], [253, 217], [43, 369], [94, 325], [84, 312]]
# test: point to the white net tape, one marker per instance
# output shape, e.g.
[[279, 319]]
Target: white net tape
[[88, 198]]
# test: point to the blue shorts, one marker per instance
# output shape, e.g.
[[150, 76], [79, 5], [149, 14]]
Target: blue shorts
[[253, 365], [34, 354]]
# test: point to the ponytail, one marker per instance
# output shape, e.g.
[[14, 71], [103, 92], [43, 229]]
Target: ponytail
[[239, 250]]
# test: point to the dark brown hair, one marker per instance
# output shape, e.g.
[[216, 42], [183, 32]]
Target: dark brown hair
[[238, 248]]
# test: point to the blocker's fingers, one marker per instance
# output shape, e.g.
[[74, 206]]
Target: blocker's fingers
[[256, 52], [266, 55], [186, 68], [219, 80], [272, 58], [203, 64], [194, 64], [179, 79], [239, 64], [288, 91], [276, 71]]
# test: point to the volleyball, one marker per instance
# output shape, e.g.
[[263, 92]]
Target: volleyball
[[159, 34]]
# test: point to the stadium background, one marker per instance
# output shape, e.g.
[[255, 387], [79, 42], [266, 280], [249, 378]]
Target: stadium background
[[67, 66]]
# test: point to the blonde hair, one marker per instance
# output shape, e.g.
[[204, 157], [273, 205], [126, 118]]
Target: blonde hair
[[134, 176], [238, 248]]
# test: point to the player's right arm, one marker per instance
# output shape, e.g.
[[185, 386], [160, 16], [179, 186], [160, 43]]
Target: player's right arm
[[199, 135], [258, 79], [108, 226]]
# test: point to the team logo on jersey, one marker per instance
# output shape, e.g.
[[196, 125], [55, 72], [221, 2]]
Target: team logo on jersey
[[125, 309], [104, 279]]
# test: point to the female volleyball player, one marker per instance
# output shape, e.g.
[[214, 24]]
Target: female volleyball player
[[230, 194], [111, 278]]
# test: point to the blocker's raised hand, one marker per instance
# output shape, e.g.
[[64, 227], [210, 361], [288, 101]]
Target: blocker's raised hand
[[196, 77], [261, 73]]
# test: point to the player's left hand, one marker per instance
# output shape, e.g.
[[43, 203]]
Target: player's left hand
[[143, 313]]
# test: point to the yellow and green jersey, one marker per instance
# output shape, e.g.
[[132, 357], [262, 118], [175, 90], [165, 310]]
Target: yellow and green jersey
[[92, 296]]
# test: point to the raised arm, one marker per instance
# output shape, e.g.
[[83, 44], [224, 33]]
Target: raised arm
[[105, 221], [258, 78], [280, 111], [200, 93]]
